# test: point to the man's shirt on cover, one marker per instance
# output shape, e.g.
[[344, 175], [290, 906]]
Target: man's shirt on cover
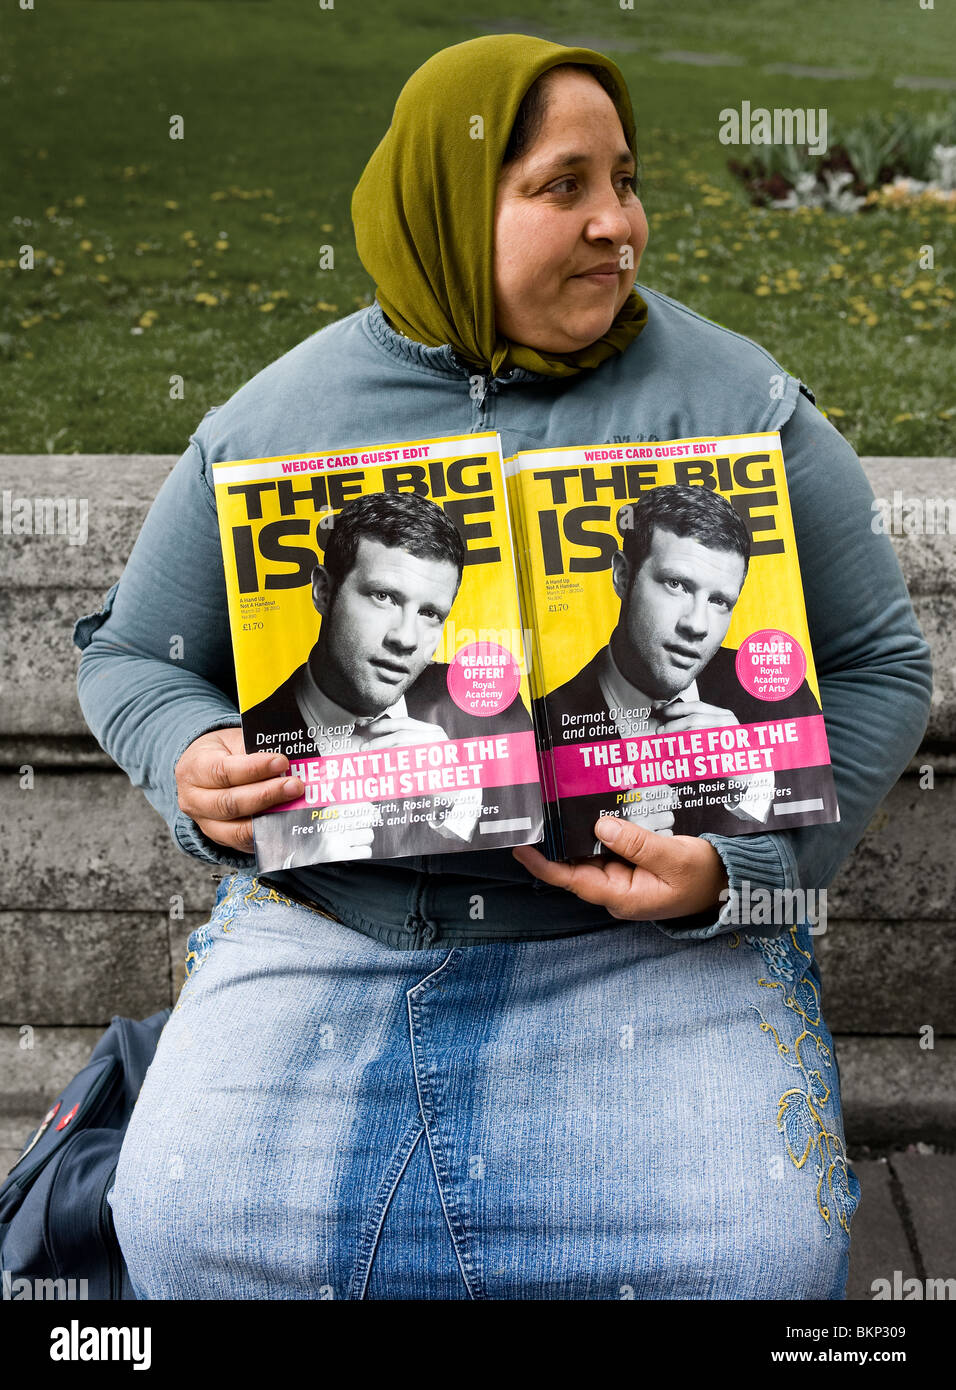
[[321, 712], [622, 697]]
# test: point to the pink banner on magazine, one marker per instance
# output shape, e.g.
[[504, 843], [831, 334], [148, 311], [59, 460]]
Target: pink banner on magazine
[[418, 769], [695, 755]]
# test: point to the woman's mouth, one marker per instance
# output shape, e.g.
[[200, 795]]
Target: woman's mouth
[[601, 275]]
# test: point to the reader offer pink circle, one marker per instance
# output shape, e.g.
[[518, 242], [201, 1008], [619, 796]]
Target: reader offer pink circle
[[771, 664], [483, 678]]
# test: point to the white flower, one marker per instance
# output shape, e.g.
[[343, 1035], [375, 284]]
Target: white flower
[[945, 157], [835, 197], [803, 194]]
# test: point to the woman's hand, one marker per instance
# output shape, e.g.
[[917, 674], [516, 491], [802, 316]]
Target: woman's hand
[[668, 875], [222, 787]]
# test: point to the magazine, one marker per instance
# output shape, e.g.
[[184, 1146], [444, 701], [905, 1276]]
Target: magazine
[[673, 678], [378, 644], [552, 846]]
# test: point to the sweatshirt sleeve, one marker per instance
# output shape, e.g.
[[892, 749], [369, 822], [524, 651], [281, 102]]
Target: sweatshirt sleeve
[[872, 662], [157, 668]]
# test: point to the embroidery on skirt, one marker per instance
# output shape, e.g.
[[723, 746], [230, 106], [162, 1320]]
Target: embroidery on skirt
[[260, 895], [199, 941], [801, 1109]]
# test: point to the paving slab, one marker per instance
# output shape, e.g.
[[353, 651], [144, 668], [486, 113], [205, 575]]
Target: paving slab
[[928, 1184], [878, 1243], [824, 74], [926, 84]]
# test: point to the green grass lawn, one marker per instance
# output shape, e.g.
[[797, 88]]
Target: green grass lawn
[[200, 257]]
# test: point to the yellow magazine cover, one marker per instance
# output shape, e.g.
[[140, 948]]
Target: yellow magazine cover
[[378, 644], [531, 641], [676, 680]]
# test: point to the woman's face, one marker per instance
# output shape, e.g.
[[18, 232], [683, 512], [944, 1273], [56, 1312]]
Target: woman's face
[[564, 211]]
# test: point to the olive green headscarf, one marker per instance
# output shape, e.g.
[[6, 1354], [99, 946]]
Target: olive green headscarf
[[424, 207]]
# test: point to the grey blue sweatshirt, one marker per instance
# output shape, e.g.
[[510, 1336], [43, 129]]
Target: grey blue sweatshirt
[[357, 381]]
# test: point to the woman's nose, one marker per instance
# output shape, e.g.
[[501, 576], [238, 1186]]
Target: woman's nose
[[607, 219]]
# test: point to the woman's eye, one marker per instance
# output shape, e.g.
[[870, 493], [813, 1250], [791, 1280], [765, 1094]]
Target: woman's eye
[[626, 184]]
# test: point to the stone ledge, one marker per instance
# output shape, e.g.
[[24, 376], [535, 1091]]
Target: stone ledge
[[121, 853], [927, 561], [38, 681], [119, 491], [904, 867], [123, 856], [76, 969], [888, 977], [893, 1091], [82, 967], [36, 1064]]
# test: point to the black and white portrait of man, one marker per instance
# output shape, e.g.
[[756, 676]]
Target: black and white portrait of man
[[679, 572], [390, 574]]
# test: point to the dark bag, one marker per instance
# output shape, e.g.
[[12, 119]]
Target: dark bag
[[55, 1221]]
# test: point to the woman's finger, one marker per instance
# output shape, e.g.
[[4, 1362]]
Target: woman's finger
[[545, 869], [665, 876], [228, 803], [634, 842], [215, 767], [233, 834], [604, 884]]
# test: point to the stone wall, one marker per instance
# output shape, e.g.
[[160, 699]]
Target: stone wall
[[96, 902]]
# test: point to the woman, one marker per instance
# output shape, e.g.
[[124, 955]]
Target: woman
[[369, 1088]]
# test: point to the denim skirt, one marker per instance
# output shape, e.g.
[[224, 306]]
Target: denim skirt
[[616, 1114]]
